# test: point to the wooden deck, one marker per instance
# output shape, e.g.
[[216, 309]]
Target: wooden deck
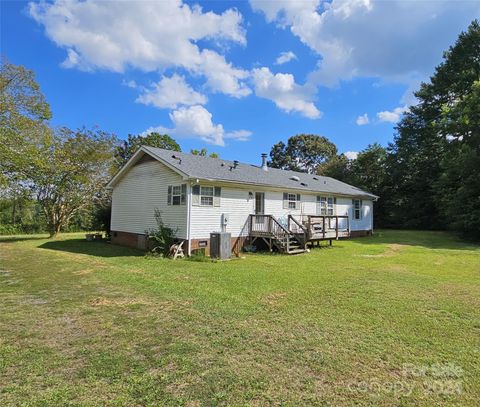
[[293, 235]]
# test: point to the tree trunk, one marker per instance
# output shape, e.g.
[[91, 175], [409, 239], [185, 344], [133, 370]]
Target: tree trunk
[[14, 209]]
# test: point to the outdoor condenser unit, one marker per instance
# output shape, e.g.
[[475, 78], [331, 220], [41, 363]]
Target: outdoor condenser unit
[[220, 245]]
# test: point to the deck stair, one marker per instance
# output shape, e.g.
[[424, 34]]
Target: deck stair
[[274, 234]]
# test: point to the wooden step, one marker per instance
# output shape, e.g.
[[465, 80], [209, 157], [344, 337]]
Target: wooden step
[[296, 251]]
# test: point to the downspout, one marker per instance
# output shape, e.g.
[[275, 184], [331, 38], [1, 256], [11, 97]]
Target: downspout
[[189, 204]]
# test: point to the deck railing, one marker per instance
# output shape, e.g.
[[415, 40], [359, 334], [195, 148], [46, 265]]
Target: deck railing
[[326, 226]]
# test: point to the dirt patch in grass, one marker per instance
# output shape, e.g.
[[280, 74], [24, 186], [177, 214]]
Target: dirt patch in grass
[[391, 251], [274, 299], [105, 302]]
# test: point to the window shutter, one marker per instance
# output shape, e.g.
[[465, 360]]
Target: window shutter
[[285, 200], [361, 209], [353, 201], [334, 201], [298, 203], [196, 195], [169, 195], [183, 199], [216, 196]]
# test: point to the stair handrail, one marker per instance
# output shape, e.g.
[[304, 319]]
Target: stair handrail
[[302, 228]]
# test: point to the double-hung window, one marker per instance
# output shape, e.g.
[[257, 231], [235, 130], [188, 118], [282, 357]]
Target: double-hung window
[[177, 194], [357, 209], [206, 196], [291, 201], [203, 195], [326, 205]]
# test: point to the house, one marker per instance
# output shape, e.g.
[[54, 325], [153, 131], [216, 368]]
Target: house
[[198, 195]]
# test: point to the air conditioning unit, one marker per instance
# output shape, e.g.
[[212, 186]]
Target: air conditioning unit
[[220, 245]]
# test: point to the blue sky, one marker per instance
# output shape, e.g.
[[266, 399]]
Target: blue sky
[[234, 77]]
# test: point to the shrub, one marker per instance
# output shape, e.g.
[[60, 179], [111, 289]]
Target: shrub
[[10, 230], [161, 238]]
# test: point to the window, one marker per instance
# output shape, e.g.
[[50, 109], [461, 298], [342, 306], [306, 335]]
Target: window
[[177, 194], [326, 205], [206, 195], [291, 201], [357, 209]]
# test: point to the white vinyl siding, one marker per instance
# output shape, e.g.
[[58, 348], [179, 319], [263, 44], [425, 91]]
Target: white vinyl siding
[[142, 189], [239, 204]]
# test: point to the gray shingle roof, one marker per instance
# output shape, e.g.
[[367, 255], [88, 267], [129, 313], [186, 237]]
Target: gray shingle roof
[[194, 166]]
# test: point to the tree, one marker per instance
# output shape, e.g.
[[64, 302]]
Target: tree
[[303, 152], [204, 152], [435, 155], [455, 93], [125, 150], [72, 175], [338, 167], [24, 115]]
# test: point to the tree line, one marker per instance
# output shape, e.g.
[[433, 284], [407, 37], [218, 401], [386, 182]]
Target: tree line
[[53, 179], [429, 176]]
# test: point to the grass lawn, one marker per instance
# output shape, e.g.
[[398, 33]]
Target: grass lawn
[[388, 320]]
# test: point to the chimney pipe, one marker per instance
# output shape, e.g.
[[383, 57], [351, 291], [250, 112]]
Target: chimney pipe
[[235, 164], [264, 162]]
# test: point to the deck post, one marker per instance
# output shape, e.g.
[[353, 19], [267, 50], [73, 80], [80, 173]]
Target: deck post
[[336, 227]]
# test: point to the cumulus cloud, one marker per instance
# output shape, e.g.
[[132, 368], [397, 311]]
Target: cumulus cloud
[[392, 116], [351, 155], [284, 92], [395, 40], [362, 120], [196, 122], [146, 35], [171, 93], [285, 57]]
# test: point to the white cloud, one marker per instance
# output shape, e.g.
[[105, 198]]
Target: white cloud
[[362, 120], [196, 122], [351, 155], [392, 116], [130, 84], [396, 40], [284, 92], [148, 35], [285, 57], [171, 93]]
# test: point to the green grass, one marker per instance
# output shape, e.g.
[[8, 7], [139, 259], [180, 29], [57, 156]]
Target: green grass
[[388, 320]]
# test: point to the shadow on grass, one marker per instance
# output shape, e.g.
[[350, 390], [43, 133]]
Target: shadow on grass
[[426, 239], [100, 249], [21, 238]]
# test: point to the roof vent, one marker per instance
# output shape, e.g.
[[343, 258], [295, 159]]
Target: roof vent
[[315, 178], [235, 165], [303, 183], [294, 178]]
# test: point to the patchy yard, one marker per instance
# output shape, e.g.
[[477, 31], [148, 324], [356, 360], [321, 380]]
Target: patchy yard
[[389, 320]]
